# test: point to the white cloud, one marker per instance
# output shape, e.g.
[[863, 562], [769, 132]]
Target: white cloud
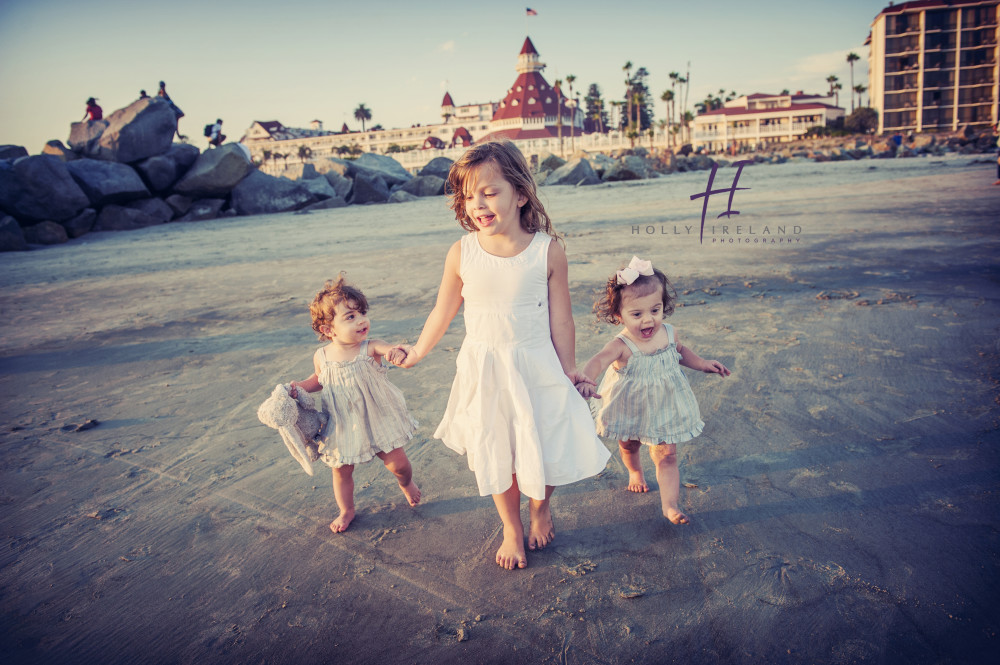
[[447, 47]]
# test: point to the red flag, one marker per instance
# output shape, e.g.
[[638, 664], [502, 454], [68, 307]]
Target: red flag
[[531, 12]]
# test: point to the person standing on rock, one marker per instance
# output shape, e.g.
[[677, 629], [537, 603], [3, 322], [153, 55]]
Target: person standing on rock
[[94, 112], [179, 113], [216, 137]]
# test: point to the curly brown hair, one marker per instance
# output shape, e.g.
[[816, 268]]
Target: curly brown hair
[[609, 307], [514, 169], [323, 306]]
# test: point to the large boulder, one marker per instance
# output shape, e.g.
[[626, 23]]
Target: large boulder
[[325, 204], [58, 150], [83, 136], [114, 217], [342, 167], [155, 208], [369, 188], [628, 167], [179, 203], [203, 209], [184, 155], [260, 194], [158, 172], [439, 166], [549, 162], [12, 152], [400, 196], [391, 171], [340, 183], [39, 188], [215, 173], [424, 185], [81, 223], [574, 172], [107, 182], [304, 171], [142, 129], [45, 233], [11, 235], [320, 187]]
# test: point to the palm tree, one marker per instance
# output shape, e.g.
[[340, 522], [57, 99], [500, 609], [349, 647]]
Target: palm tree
[[851, 59], [667, 98], [361, 113], [557, 85], [836, 90], [831, 79], [572, 123], [628, 89], [859, 88], [304, 152], [687, 118]]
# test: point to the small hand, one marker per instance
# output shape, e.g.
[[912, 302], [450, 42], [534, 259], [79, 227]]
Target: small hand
[[715, 367], [293, 391], [397, 355], [586, 390]]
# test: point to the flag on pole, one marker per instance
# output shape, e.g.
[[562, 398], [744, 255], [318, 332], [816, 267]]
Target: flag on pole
[[530, 11]]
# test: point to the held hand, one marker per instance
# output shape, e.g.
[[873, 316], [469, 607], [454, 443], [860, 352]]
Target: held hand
[[715, 367], [584, 385], [293, 391], [396, 355]]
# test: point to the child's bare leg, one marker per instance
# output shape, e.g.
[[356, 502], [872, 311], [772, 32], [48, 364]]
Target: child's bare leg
[[540, 529], [511, 552], [397, 462], [668, 476], [630, 456], [343, 492]]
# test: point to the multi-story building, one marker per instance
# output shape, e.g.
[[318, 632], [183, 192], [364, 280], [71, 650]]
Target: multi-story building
[[755, 120], [933, 65]]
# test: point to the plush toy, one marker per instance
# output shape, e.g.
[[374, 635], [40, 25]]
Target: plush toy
[[298, 422]]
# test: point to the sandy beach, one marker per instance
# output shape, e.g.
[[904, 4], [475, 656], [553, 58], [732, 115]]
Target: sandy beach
[[844, 497]]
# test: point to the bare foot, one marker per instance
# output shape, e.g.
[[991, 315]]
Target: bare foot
[[637, 482], [675, 516], [340, 524], [541, 532], [412, 493], [511, 552]]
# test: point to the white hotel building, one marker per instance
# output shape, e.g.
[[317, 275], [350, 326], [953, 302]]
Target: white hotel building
[[756, 120]]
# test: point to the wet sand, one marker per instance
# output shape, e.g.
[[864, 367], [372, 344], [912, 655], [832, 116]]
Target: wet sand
[[843, 497]]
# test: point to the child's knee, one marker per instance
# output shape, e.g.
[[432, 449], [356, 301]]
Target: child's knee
[[663, 456], [629, 446]]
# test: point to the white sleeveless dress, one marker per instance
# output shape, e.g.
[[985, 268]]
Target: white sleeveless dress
[[512, 409]]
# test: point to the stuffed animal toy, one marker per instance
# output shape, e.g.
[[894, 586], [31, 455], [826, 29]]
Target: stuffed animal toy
[[298, 422]]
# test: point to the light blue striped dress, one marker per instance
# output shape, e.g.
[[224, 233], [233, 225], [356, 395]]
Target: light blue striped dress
[[649, 399], [367, 412]]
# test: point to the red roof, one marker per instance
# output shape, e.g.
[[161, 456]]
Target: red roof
[[516, 133], [531, 99], [528, 47], [447, 100]]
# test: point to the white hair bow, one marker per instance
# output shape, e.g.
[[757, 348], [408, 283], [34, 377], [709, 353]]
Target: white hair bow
[[635, 268]]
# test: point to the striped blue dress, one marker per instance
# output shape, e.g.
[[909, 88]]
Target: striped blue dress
[[649, 400], [367, 412]]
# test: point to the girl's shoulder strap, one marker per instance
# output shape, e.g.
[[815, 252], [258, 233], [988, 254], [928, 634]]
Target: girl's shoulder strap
[[319, 358], [629, 343], [670, 332]]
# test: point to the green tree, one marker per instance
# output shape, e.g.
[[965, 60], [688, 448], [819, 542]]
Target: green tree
[[572, 125], [860, 89], [362, 113], [836, 91], [862, 121], [627, 68], [305, 152], [831, 79], [668, 99], [596, 118], [557, 86], [851, 59]]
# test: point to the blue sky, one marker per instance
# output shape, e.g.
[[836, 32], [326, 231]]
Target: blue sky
[[299, 60]]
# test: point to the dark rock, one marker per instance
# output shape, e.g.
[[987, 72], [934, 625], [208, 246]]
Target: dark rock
[[202, 210], [400, 196], [11, 235], [215, 173], [155, 208], [550, 162], [320, 187], [574, 172], [391, 171], [81, 224], [83, 136], [142, 129], [184, 155], [45, 233], [260, 194], [115, 217], [107, 182], [158, 172], [628, 167], [57, 149], [325, 204], [39, 188], [700, 162], [12, 152], [341, 184], [369, 189], [439, 166], [424, 185], [179, 203], [341, 167], [305, 171]]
